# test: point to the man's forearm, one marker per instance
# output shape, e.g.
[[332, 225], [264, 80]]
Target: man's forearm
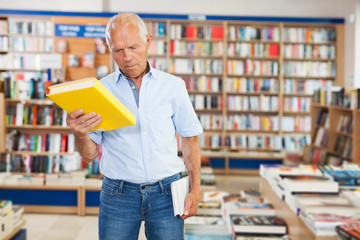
[[87, 148], [191, 155]]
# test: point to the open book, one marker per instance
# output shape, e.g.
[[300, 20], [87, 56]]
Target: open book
[[91, 96], [179, 190]]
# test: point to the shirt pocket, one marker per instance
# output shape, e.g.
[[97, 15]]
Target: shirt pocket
[[162, 120]]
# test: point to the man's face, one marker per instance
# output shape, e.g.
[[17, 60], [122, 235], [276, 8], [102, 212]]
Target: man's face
[[129, 50]]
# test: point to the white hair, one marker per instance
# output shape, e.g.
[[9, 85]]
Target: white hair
[[125, 19]]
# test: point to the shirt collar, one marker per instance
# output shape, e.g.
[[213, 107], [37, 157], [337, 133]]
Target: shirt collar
[[151, 74]]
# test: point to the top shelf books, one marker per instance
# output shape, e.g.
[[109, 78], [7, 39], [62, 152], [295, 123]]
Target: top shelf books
[[30, 27], [309, 35]]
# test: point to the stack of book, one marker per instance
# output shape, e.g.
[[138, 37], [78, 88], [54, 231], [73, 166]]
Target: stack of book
[[76, 178], [323, 213], [22, 179], [207, 178], [6, 218], [348, 231], [248, 218], [208, 224], [18, 211], [347, 175], [258, 227]]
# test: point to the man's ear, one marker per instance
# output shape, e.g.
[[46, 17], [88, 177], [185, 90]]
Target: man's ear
[[148, 41]]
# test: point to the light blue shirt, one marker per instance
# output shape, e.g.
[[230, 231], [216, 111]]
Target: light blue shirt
[[147, 151]]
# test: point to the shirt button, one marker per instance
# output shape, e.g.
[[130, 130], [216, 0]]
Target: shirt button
[[144, 133], [133, 87]]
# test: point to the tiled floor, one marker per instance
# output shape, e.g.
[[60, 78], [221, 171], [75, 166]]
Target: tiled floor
[[73, 227]]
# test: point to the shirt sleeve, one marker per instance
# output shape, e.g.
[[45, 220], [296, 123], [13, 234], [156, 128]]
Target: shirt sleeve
[[96, 137], [185, 120]]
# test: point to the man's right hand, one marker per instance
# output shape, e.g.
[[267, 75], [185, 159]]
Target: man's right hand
[[81, 123]]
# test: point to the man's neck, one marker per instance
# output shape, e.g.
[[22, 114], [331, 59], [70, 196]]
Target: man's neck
[[138, 80]]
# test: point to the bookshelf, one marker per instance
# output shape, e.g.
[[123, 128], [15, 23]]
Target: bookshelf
[[340, 131]]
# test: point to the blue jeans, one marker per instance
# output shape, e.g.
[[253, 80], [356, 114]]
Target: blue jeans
[[124, 205]]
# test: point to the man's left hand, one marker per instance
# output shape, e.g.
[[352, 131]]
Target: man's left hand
[[191, 204]]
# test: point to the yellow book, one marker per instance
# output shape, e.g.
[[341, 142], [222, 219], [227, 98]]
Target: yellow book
[[91, 96]]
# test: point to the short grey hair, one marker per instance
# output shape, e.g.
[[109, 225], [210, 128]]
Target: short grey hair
[[125, 19]]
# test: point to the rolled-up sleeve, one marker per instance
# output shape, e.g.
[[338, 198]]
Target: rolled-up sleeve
[[185, 120], [96, 137]]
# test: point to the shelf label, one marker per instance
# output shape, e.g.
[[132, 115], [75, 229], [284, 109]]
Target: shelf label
[[197, 17], [80, 31]]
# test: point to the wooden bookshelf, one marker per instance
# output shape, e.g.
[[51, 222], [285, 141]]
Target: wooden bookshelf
[[335, 115]]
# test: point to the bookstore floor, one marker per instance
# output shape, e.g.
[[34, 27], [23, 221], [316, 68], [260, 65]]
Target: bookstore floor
[[73, 227]]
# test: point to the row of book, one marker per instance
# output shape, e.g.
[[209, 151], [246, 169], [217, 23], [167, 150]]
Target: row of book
[[297, 104], [31, 44], [290, 143], [323, 118], [31, 27], [321, 137], [309, 51], [345, 124], [188, 48], [196, 66], [46, 142], [252, 122], [158, 47], [159, 63], [252, 67], [241, 141], [20, 61], [313, 155], [26, 163], [295, 143], [74, 178], [343, 146], [157, 29], [3, 27], [203, 84], [337, 96], [248, 33], [203, 102], [296, 123], [299, 51], [309, 69], [309, 35], [253, 50], [253, 103], [33, 88], [11, 217], [211, 121], [36, 115], [4, 43], [252, 85], [308, 86], [178, 31]]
